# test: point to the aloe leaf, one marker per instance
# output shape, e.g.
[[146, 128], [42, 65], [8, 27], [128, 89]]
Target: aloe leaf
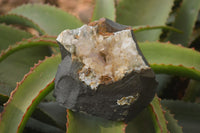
[[34, 87], [15, 66], [151, 120], [35, 126], [18, 19], [19, 63], [172, 59], [56, 112], [6, 32], [163, 80], [52, 20], [192, 91], [148, 27], [50, 97], [159, 118], [178, 70], [143, 12], [10, 35], [104, 8], [172, 124], [51, 113], [185, 21], [79, 122], [31, 42], [42, 116], [141, 123], [187, 114]]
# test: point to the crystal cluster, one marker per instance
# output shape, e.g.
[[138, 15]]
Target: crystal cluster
[[103, 72], [106, 59]]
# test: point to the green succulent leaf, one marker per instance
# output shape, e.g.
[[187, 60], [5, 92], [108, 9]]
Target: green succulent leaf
[[10, 35], [172, 124], [51, 113], [18, 19], [52, 20], [151, 120], [158, 116], [163, 80], [185, 21], [143, 12], [6, 32], [79, 122], [14, 67], [192, 91], [104, 8], [28, 43], [147, 27], [172, 59], [28, 93], [42, 116], [35, 126], [56, 112], [187, 114], [142, 123]]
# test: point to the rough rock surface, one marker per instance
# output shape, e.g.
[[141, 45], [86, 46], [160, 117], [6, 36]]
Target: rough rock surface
[[103, 72]]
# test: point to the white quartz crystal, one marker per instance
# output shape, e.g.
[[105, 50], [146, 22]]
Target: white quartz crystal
[[106, 59]]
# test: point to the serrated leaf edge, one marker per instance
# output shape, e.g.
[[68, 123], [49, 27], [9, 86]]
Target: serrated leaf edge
[[25, 43], [149, 27], [35, 25], [21, 82], [48, 5], [156, 116]]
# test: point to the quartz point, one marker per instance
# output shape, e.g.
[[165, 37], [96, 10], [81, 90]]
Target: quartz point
[[103, 72]]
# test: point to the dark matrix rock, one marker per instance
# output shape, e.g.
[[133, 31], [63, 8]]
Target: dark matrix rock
[[103, 72]]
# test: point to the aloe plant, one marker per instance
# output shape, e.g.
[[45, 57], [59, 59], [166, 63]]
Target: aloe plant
[[28, 65]]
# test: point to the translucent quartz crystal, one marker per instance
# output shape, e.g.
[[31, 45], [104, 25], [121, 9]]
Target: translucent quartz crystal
[[106, 58]]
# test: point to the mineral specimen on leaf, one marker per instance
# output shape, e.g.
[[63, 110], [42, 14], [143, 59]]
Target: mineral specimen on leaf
[[103, 71]]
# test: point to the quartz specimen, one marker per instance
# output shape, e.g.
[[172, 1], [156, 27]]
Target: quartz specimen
[[103, 72]]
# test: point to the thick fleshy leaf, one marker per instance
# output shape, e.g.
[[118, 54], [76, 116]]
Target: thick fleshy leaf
[[19, 63], [6, 32], [28, 43], [192, 92], [104, 8], [56, 112], [50, 97], [143, 12], [52, 20], [51, 113], [151, 120], [79, 122], [187, 114], [159, 118], [172, 59], [15, 66], [42, 116], [185, 21], [34, 87], [147, 27], [35, 126], [18, 19], [141, 123], [172, 124], [163, 80], [10, 35]]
